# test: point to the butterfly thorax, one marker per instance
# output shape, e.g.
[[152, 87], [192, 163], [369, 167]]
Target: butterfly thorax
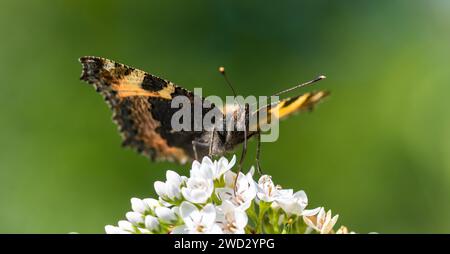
[[237, 126]]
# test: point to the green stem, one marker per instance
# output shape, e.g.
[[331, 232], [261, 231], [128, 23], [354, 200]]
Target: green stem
[[262, 210], [274, 220]]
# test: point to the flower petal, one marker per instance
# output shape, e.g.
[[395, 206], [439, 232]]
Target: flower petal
[[179, 230], [165, 214], [113, 230], [311, 212], [160, 188], [232, 162], [126, 225], [188, 212], [215, 229], [135, 218], [209, 215], [230, 178], [309, 222], [138, 205], [151, 203], [151, 223], [173, 177], [240, 218], [329, 224]]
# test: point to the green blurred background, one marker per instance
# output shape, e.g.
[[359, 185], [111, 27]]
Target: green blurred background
[[376, 152]]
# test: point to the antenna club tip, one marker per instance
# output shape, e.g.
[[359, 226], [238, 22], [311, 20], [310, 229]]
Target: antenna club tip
[[222, 69], [322, 77]]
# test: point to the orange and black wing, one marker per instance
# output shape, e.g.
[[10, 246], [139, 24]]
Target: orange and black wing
[[141, 105]]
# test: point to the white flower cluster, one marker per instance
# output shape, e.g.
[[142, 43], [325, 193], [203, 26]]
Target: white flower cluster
[[213, 201]]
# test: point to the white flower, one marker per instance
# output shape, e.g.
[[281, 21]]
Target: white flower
[[170, 189], [135, 218], [292, 203], [115, 230], [151, 223], [322, 222], [139, 206], [126, 225], [166, 215], [200, 185], [267, 191], [151, 203], [197, 221], [239, 205], [222, 166], [143, 206], [144, 231], [243, 194], [343, 230], [231, 219], [281, 194]]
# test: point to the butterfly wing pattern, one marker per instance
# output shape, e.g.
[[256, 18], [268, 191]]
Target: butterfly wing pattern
[[141, 105], [290, 106]]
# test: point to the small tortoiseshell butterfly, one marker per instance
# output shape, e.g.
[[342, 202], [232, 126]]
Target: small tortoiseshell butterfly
[[141, 105]]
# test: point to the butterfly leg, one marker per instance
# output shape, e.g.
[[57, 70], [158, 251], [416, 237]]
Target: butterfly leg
[[202, 145], [241, 161], [194, 148], [244, 147], [244, 152], [211, 142], [258, 153]]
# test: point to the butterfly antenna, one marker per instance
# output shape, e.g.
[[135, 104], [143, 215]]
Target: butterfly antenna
[[222, 71], [319, 78]]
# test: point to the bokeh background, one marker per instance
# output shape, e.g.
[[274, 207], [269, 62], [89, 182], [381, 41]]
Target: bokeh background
[[377, 151]]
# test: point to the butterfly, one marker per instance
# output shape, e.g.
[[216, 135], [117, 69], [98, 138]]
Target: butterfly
[[141, 105]]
